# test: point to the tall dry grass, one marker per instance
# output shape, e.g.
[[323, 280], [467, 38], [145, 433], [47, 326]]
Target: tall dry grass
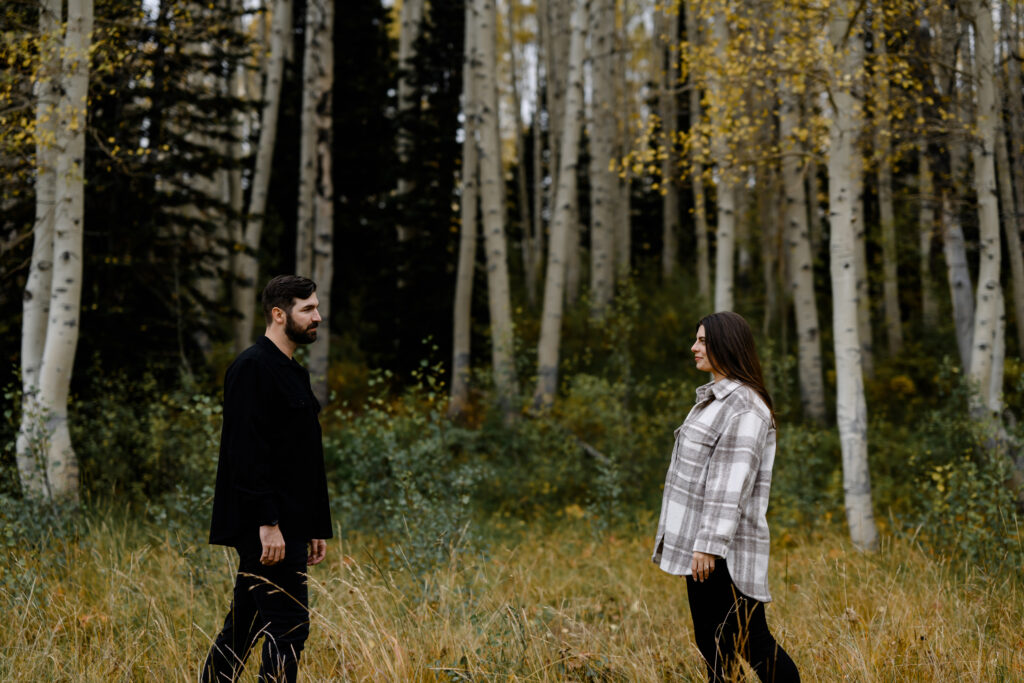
[[123, 603]]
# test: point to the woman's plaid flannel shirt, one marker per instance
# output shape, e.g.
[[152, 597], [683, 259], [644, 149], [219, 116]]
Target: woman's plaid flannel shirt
[[716, 489]]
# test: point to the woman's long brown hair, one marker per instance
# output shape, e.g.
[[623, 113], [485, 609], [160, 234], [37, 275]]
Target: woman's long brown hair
[[731, 352]]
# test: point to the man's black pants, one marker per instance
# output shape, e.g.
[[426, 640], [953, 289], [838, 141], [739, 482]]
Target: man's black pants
[[727, 623], [272, 602]]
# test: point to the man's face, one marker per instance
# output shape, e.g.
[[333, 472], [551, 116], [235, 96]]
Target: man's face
[[301, 323]]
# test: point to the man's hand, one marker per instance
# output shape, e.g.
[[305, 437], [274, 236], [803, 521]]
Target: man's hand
[[317, 551], [273, 545], [702, 565]]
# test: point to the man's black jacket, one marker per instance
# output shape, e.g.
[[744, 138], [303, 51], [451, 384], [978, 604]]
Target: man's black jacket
[[271, 465]]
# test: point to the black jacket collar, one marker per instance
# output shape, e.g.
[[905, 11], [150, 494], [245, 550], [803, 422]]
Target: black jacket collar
[[274, 353]]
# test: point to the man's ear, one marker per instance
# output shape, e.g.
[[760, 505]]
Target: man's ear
[[278, 315]]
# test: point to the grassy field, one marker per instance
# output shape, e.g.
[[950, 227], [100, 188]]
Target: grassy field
[[121, 603]]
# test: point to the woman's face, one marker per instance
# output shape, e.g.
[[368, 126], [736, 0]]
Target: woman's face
[[700, 352]]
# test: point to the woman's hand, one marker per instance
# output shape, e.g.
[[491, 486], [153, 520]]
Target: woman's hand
[[702, 566]]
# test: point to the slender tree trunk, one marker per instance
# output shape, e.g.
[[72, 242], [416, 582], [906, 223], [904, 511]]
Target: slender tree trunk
[[986, 314], [744, 199], [246, 263], [623, 232], [947, 75], [603, 181], [700, 216], [540, 192], [461, 337], [66, 289], [926, 222], [994, 395], [573, 260], [320, 31], [843, 166], [1012, 232], [815, 214], [492, 181], [411, 16], [237, 87], [959, 277], [307, 142], [864, 330], [554, 281], [725, 253], [890, 256], [1015, 220], [801, 261], [668, 77], [522, 193], [768, 222], [36, 300]]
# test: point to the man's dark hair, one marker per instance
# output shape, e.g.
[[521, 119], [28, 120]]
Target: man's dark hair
[[731, 352], [283, 290]]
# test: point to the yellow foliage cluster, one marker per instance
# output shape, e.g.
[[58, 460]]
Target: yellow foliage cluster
[[779, 46]]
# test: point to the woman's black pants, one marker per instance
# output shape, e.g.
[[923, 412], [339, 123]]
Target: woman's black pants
[[271, 602], [727, 624]]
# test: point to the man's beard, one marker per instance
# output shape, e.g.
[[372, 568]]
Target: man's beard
[[297, 335]]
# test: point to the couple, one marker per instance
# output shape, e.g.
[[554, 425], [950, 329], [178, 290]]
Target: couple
[[271, 502]]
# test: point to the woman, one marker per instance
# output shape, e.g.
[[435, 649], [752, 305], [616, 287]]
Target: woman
[[713, 529]]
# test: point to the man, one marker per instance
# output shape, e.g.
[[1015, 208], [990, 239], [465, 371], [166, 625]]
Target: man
[[270, 501]]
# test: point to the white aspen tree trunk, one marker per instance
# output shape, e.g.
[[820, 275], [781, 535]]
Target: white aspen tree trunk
[[668, 77], [322, 21], [246, 263], [843, 166], [492, 196], [557, 53], [883, 150], [958, 274], [926, 231], [468, 201], [725, 252], [700, 215], [66, 289], [864, 329], [603, 181], [986, 314], [36, 299], [410, 18], [622, 230], [1012, 232], [308, 141], [554, 281], [994, 394], [800, 260]]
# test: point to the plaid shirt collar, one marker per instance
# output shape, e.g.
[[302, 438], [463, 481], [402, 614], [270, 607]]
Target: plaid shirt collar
[[719, 389]]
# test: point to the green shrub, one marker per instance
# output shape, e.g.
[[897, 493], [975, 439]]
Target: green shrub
[[951, 480], [807, 490], [134, 438]]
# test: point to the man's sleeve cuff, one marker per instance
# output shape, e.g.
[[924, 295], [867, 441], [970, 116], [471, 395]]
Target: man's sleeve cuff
[[267, 514]]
